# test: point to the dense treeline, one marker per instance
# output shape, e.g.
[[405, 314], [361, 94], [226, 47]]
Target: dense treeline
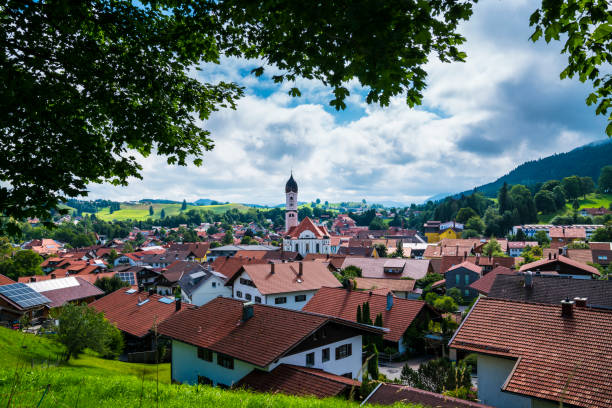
[[89, 206]]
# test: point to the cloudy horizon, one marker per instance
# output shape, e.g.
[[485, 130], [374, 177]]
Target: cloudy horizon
[[479, 120]]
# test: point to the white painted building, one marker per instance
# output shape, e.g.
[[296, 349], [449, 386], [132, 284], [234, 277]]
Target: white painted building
[[224, 340], [288, 285], [203, 286], [531, 229]]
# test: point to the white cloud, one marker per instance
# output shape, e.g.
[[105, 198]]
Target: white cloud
[[505, 105]]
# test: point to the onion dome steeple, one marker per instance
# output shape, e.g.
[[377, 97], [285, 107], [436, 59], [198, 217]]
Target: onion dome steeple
[[291, 186]]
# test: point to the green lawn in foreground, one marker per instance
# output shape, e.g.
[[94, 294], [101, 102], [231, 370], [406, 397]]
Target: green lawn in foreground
[[91, 382]]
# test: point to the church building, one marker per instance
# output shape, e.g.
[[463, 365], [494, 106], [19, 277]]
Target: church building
[[303, 237]]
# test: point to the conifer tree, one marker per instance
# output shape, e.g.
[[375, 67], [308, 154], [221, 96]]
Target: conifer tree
[[359, 315]]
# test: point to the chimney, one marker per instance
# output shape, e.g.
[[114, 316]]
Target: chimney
[[567, 308], [151, 291], [272, 268], [301, 269], [177, 303], [464, 255], [32, 279], [580, 301], [247, 311], [53, 276], [389, 300], [529, 279], [549, 256]]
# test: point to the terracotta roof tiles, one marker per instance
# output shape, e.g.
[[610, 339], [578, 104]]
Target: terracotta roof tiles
[[557, 358], [390, 394], [266, 336], [123, 309], [300, 381], [343, 304], [483, 285]]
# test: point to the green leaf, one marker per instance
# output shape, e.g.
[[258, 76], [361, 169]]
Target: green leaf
[[295, 92], [601, 32]]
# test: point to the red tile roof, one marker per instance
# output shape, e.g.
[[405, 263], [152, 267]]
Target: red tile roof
[[390, 394], [307, 225], [122, 309], [229, 266], [544, 263], [450, 261], [567, 233], [286, 278], [343, 304], [268, 335], [4, 280], [558, 358], [467, 265], [483, 285], [294, 380]]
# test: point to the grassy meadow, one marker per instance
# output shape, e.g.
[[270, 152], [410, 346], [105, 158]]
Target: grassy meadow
[[91, 382], [140, 212], [593, 200]]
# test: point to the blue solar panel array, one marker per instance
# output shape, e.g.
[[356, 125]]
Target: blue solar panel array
[[127, 277], [166, 300], [23, 295]]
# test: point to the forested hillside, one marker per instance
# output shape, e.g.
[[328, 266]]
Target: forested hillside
[[585, 161]]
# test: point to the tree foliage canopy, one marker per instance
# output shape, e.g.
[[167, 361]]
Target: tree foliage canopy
[[88, 83]]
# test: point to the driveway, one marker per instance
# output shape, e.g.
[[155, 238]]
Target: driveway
[[393, 370]]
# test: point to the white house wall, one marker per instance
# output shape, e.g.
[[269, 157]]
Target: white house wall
[[206, 292], [186, 366], [269, 299], [492, 374], [291, 303], [345, 365]]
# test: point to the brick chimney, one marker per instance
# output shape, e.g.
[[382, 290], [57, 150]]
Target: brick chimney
[[177, 304], [529, 279], [272, 268], [247, 311], [301, 268], [567, 308]]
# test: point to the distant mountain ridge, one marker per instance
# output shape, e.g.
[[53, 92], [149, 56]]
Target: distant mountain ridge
[[583, 161]]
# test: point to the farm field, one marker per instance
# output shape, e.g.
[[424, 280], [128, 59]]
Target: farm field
[[140, 212], [593, 200]]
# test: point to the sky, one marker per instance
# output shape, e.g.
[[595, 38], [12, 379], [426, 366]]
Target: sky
[[478, 120]]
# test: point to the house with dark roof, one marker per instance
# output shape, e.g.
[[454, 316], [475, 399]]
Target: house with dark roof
[[300, 381], [562, 265], [168, 279], [136, 314], [201, 286], [398, 314], [529, 287], [197, 251], [391, 394], [461, 276], [539, 355], [483, 285], [18, 299], [225, 340], [289, 285]]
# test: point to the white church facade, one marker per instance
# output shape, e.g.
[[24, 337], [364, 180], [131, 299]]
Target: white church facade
[[303, 237]]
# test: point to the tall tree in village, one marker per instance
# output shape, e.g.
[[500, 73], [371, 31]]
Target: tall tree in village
[[151, 211], [110, 80], [184, 205], [604, 183], [503, 199]]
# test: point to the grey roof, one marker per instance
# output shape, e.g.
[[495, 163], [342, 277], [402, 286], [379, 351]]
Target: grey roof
[[167, 257], [553, 289], [190, 282], [374, 267], [245, 248]]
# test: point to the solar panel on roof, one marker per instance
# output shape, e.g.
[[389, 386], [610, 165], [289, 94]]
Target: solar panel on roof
[[126, 277], [23, 295], [166, 300], [130, 291]]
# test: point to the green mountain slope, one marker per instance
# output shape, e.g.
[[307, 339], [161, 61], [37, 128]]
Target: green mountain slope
[[583, 161]]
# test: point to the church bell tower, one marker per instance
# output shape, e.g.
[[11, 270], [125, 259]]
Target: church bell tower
[[291, 214]]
